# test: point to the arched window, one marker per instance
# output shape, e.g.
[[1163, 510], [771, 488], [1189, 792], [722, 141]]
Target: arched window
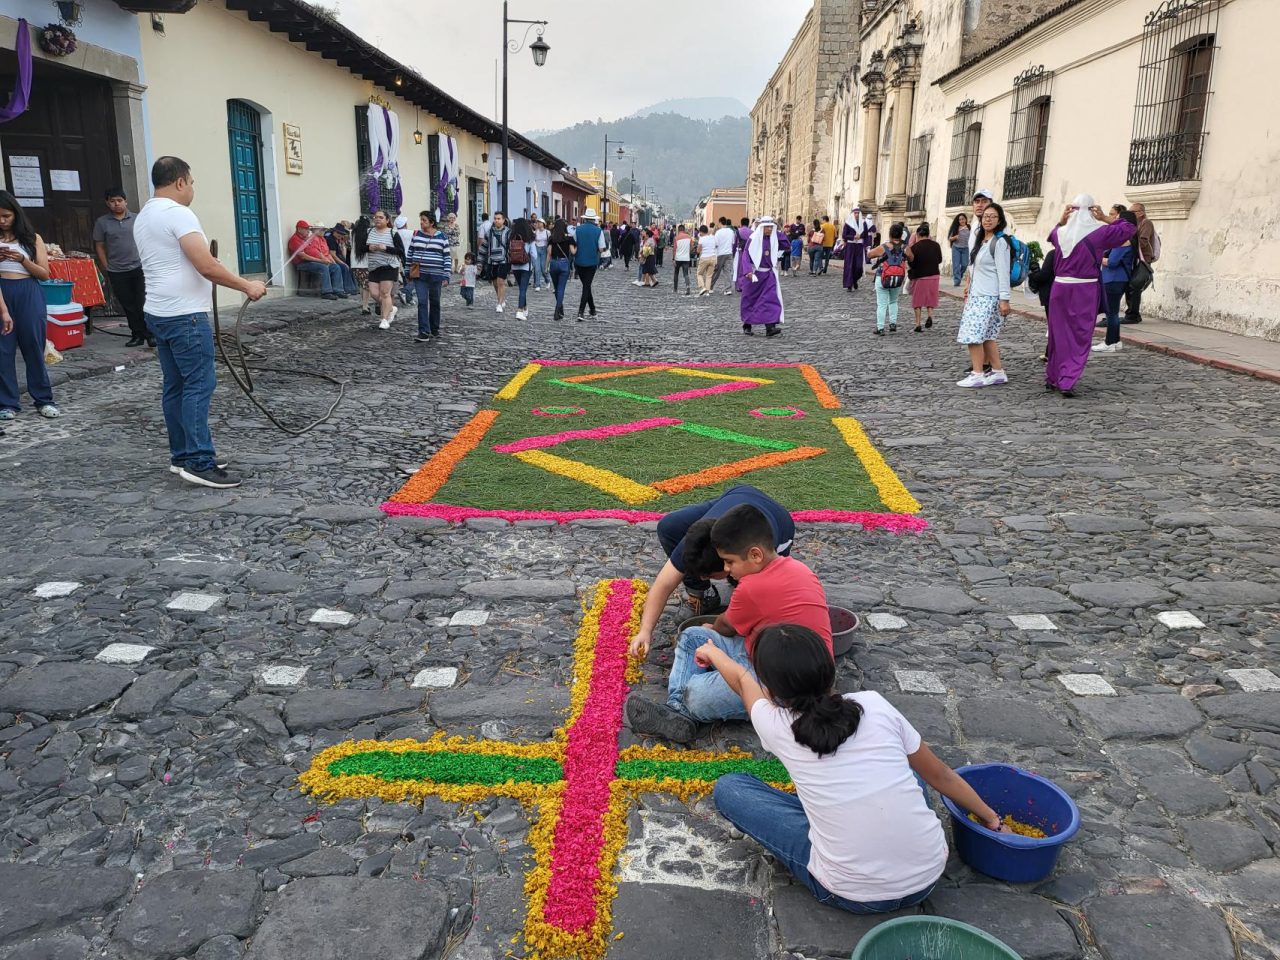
[[1028, 134], [966, 142]]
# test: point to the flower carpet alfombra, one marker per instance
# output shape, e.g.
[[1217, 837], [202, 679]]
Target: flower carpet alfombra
[[567, 440], [579, 785]]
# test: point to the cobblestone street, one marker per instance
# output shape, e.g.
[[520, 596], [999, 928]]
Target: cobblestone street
[[1096, 599]]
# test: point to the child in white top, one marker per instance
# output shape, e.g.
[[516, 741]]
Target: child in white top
[[468, 271], [858, 832]]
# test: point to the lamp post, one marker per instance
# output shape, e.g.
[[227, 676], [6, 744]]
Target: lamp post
[[539, 49], [604, 186]]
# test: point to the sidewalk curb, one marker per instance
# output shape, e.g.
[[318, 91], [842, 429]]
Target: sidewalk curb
[[1182, 353]]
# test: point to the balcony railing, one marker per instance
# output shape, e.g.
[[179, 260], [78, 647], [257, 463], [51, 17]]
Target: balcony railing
[[1165, 159], [960, 190], [1022, 181]]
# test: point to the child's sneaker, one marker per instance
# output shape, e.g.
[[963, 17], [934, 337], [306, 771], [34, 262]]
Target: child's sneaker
[[649, 719], [972, 380], [995, 378]]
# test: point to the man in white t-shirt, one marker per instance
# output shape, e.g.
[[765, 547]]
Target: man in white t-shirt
[[724, 253], [707, 260], [683, 248], [179, 268]]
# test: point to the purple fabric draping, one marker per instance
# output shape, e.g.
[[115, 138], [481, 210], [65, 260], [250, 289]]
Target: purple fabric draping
[[21, 96]]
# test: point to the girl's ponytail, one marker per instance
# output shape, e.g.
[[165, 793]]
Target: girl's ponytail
[[796, 668]]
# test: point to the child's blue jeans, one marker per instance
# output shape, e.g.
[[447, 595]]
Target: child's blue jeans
[[777, 821], [468, 294], [700, 693]]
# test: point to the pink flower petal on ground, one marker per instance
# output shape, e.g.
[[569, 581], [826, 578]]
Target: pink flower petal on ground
[[593, 433], [708, 391]]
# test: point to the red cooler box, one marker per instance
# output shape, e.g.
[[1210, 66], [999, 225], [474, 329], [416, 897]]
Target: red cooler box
[[64, 326]]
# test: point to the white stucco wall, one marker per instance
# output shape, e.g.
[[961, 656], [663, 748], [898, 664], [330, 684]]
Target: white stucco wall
[[102, 24], [1220, 266], [188, 90]]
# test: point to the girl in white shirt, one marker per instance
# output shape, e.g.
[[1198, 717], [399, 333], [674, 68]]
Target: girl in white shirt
[[986, 300], [858, 831]]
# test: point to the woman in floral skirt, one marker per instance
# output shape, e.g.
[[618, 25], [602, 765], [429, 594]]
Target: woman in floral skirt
[[986, 301]]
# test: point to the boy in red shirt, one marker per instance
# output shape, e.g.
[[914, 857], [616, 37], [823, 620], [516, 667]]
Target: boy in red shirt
[[771, 590]]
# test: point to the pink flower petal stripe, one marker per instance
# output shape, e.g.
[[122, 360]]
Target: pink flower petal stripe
[[637, 363], [590, 757], [595, 433], [708, 391], [893, 522]]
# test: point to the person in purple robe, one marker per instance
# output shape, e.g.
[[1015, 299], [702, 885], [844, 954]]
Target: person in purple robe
[[758, 280], [855, 233], [1081, 238], [741, 237]]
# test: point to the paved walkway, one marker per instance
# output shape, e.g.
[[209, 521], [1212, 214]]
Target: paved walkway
[[1097, 598], [1215, 348]]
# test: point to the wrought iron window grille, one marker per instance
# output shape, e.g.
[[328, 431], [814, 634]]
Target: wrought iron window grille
[[1175, 75], [966, 141], [1028, 133], [918, 171]]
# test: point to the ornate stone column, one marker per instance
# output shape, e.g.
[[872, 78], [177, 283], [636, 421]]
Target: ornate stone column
[[905, 58], [872, 104]]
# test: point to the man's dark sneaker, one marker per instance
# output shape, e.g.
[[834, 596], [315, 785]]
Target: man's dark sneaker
[[746, 328], [151, 342], [174, 468], [422, 338], [214, 477], [331, 296], [705, 605], [1101, 324], [1130, 319], [135, 342], [650, 719]]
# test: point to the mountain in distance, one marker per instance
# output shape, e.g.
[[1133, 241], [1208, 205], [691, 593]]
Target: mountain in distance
[[699, 108], [681, 158]]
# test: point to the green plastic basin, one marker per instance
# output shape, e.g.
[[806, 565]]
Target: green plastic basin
[[930, 938]]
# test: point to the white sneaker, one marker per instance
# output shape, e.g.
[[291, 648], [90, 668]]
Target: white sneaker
[[637, 283], [522, 315], [50, 411], [995, 378], [729, 292], [1106, 347], [972, 380], [384, 325], [7, 414], [498, 308]]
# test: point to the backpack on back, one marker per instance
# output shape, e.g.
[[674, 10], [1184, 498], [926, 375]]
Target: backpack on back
[[893, 268], [517, 253], [1019, 260]]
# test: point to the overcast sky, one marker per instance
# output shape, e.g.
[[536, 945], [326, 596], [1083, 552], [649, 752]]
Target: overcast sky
[[607, 59]]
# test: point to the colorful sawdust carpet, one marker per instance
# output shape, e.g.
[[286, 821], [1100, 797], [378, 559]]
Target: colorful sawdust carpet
[[638, 440], [579, 785]]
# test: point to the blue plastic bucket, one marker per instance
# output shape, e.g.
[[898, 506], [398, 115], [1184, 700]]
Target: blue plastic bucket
[[1027, 797], [930, 938], [57, 293]]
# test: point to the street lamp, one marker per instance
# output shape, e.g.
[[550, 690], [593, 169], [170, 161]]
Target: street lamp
[[604, 185], [539, 48]]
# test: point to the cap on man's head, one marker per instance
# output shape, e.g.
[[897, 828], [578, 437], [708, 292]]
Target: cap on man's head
[[984, 192], [302, 225]]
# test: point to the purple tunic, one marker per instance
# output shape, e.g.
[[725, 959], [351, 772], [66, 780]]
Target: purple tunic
[[1074, 307], [854, 255], [762, 300]]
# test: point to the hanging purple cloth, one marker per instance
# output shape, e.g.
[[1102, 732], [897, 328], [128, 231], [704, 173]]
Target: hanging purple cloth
[[17, 105]]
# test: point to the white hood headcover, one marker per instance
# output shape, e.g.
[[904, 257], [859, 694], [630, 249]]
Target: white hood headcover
[[755, 248], [1079, 225], [856, 220]]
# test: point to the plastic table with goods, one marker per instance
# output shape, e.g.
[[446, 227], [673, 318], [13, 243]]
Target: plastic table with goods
[[82, 272]]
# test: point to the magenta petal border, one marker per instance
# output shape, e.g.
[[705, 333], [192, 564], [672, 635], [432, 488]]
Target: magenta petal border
[[650, 363], [892, 522], [708, 391], [594, 433]]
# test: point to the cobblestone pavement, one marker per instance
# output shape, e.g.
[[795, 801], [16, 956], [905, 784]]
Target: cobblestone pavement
[[1097, 596]]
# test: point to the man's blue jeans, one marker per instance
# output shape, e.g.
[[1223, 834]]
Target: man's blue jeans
[[334, 277], [428, 290], [560, 270], [184, 345], [777, 821], [700, 693]]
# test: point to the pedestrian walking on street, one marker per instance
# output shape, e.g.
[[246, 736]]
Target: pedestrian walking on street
[[118, 257], [855, 234], [924, 273], [493, 258], [891, 275], [24, 262], [520, 252], [724, 255], [829, 234], [795, 235], [815, 249], [1147, 243], [590, 242], [706, 260], [428, 262], [179, 271], [682, 251], [541, 236], [958, 240], [1117, 270], [1081, 238], [560, 249], [453, 233], [649, 262], [758, 281], [467, 289], [384, 268], [360, 260], [986, 301]]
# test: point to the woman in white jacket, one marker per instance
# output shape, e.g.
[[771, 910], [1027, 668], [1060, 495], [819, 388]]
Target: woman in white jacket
[[986, 301]]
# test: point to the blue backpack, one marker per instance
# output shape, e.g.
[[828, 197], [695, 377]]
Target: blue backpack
[[1019, 260]]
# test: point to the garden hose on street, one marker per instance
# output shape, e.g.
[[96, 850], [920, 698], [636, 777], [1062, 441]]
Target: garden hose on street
[[245, 358]]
